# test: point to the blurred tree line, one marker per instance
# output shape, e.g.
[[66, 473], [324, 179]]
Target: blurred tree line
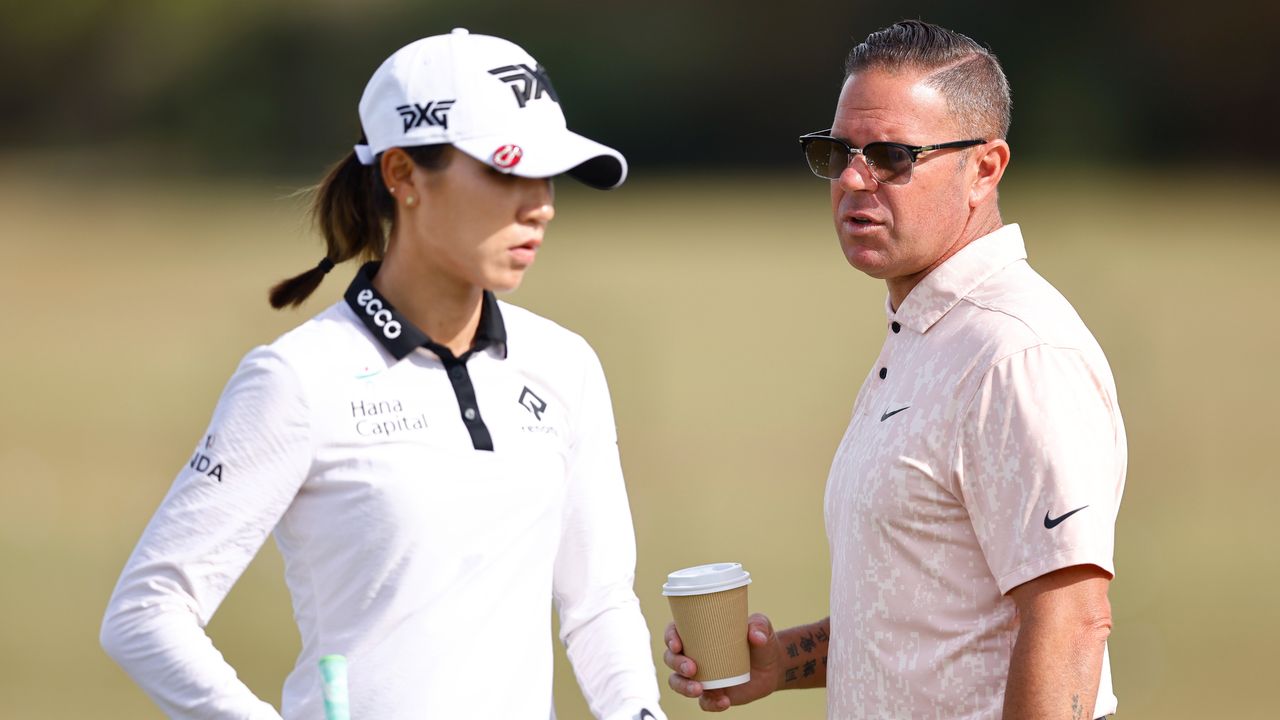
[[272, 85]]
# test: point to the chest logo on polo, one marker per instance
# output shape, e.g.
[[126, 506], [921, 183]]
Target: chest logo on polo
[[890, 413], [531, 402], [536, 406], [367, 372], [384, 418]]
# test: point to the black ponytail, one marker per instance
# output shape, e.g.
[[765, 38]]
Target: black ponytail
[[347, 212], [292, 291], [353, 210]]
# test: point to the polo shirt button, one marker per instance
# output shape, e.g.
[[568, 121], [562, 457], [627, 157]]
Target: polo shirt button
[[455, 371], [884, 373], [897, 328], [469, 413]]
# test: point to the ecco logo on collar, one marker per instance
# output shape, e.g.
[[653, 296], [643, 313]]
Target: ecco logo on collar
[[382, 317]]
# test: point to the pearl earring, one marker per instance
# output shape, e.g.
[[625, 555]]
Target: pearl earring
[[410, 201]]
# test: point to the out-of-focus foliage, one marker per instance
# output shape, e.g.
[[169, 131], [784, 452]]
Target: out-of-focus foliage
[[273, 85]]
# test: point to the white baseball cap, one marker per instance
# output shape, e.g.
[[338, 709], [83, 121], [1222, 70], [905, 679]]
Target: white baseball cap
[[488, 98]]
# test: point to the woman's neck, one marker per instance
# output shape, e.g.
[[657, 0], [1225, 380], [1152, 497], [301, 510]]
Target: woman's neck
[[445, 308]]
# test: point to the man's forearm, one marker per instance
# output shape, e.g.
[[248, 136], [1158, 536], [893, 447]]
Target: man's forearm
[[1054, 670], [804, 655]]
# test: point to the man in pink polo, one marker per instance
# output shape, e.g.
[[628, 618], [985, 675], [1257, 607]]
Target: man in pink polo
[[971, 504]]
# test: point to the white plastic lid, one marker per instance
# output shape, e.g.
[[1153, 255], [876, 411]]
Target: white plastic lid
[[704, 579]]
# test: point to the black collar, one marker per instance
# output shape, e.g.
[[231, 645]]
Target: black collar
[[401, 337]]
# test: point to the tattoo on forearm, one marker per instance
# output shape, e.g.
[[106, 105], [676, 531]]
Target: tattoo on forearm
[[808, 669], [807, 644], [1077, 711]]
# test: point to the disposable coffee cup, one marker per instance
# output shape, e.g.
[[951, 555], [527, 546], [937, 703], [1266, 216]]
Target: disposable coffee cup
[[709, 605]]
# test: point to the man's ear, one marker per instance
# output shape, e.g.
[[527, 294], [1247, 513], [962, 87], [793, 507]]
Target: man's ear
[[992, 161]]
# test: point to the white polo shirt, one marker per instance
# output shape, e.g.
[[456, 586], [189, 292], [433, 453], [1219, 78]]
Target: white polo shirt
[[986, 449], [428, 510]]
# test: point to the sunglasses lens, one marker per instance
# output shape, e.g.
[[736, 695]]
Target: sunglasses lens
[[890, 163], [826, 158]]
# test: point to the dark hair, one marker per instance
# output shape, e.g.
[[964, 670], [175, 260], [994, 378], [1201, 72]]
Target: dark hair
[[967, 74], [353, 210]]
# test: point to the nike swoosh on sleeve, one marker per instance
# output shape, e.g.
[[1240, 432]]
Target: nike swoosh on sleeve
[[1051, 523]]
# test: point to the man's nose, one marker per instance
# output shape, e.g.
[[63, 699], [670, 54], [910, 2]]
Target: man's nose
[[857, 175]]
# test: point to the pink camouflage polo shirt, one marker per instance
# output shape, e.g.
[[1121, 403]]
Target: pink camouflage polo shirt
[[986, 449]]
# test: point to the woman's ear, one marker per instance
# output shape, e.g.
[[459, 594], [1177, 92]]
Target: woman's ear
[[397, 171]]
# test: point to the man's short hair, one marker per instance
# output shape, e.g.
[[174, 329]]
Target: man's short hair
[[967, 74]]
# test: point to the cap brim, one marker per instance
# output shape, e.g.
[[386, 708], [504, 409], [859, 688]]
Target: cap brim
[[552, 152]]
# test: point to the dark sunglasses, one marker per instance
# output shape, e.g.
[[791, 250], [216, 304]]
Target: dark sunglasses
[[890, 162]]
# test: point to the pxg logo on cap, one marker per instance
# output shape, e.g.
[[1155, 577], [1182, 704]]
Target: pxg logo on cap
[[434, 113], [527, 83]]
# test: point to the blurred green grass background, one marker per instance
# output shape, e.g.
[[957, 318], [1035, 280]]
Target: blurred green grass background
[[734, 336]]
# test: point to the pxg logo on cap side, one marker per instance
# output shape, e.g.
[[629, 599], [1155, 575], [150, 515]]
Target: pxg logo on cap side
[[434, 113], [526, 83], [382, 317]]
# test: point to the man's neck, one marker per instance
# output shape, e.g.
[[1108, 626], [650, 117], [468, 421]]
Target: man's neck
[[901, 287]]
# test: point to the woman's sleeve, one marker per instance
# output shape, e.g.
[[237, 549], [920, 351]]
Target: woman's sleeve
[[600, 620], [243, 474]]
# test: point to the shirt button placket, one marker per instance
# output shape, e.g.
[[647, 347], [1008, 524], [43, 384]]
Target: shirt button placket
[[896, 327]]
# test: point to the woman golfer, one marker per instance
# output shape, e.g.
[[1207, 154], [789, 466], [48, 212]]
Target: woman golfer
[[436, 465]]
